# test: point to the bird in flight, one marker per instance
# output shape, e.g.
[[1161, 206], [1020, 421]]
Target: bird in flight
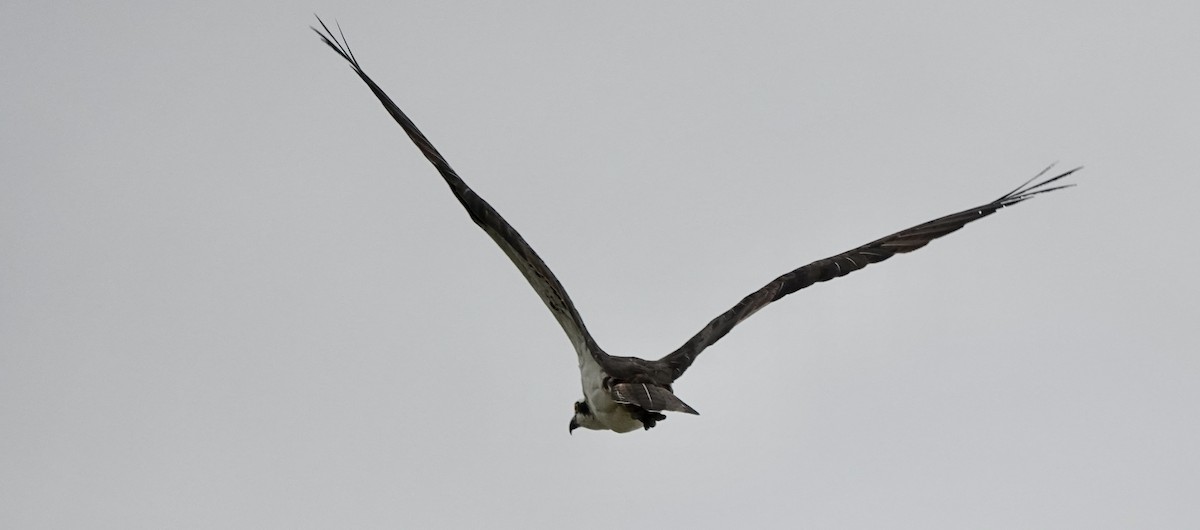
[[623, 394]]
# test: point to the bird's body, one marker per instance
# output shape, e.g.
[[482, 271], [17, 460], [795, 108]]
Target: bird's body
[[603, 412], [623, 394]]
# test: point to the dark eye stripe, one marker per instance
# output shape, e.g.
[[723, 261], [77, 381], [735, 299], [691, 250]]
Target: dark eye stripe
[[582, 408]]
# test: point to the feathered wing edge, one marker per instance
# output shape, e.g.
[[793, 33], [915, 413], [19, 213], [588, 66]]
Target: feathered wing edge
[[555, 296], [842, 264], [522, 255]]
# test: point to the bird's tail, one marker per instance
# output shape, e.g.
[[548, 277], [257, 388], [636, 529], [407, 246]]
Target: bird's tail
[[649, 396]]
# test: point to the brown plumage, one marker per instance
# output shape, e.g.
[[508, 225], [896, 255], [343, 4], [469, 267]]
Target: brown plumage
[[623, 393]]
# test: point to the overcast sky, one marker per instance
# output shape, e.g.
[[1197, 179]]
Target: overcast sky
[[234, 295]]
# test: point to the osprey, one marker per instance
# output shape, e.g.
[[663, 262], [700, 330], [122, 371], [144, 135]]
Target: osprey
[[623, 394]]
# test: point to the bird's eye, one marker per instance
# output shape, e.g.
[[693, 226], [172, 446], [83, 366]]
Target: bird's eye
[[581, 407]]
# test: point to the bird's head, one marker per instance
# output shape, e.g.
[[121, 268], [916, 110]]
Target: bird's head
[[584, 418]]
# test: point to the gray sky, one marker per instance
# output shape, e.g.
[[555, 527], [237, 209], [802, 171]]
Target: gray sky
[[233, 295]]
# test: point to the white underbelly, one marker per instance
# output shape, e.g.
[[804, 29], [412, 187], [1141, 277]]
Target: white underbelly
[[608, 412]]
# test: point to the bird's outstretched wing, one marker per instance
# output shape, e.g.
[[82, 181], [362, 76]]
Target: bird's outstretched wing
[[842, 264], [529, 263]]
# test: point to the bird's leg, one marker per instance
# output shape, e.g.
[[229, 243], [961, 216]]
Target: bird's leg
[[649, 419]]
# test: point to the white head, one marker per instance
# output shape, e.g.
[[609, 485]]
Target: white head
[[584, 418]]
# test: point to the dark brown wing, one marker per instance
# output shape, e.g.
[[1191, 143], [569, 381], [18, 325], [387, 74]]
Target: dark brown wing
[[842, 264], [529, 263]]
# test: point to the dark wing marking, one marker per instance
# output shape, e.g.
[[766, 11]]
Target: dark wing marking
[[529, 263], [842, 264], [649, 396]]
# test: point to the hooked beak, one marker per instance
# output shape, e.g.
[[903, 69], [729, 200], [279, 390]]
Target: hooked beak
[[574, 425]]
